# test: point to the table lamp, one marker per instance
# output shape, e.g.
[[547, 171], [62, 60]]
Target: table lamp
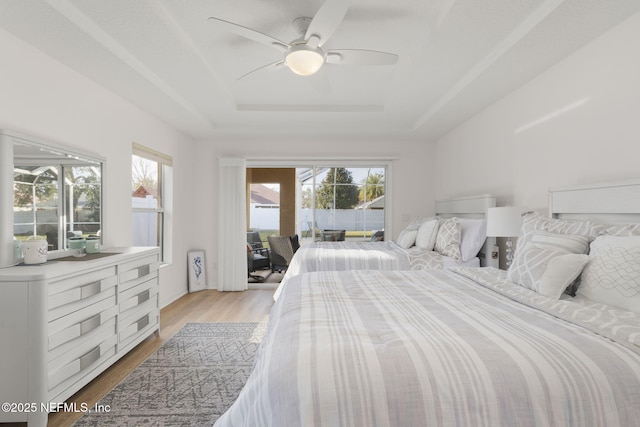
[[505, 222]]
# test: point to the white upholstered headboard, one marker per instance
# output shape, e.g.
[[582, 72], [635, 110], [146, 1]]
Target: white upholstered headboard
[[471, 207], [606, 203]]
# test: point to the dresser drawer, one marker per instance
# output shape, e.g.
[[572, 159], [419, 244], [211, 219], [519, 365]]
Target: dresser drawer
[[82, 322], [139, 323], [138, 295], [137, 269], [87, 290], [82, 358]]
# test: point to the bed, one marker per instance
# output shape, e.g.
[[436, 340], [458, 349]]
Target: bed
[[465, 346], [428, 243]]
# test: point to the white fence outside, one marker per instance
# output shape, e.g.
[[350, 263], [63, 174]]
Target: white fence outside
[[144, 224], [328, 219]]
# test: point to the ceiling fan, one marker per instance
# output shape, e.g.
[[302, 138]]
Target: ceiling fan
[[305, 55]]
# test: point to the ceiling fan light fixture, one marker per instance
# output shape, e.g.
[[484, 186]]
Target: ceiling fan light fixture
[[304, 60]]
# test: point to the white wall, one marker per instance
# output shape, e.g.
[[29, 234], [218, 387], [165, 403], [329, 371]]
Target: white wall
[[413, 173], [576, 123], [44, 99]]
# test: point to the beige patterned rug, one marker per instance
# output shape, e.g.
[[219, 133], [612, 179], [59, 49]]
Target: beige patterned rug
[[190, 381]]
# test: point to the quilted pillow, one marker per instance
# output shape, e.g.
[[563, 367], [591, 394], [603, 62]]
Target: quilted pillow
[[406, 238], [567, 243], [532, 222], [545, 271], [613, 274], [448, 238], [621, 230], [427, 233]]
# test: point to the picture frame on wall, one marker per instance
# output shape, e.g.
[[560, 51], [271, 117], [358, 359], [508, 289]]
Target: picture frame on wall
[[197, 273]]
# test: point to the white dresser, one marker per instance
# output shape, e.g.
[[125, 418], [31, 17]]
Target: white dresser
[[64, 322]]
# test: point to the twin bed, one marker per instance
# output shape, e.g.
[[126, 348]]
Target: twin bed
[[466, 346], [409, 252]]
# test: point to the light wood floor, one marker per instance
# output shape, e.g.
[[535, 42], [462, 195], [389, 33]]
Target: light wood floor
[[203, 306]]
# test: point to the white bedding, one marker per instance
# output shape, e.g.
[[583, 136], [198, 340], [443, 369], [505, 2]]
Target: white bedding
[[439, 348], [340, 256]]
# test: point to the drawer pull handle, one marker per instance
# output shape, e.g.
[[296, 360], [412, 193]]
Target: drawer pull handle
[[142, 323], [144, 270], [90, 290], [143, 296], [90, 324], [89, 358]]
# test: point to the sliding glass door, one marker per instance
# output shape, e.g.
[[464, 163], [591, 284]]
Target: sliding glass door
[[337, 199]]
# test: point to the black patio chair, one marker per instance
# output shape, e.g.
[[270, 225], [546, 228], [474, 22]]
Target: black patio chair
[[282, 250], [258, 257]]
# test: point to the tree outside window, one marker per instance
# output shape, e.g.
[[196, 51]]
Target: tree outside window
[[337, 190]]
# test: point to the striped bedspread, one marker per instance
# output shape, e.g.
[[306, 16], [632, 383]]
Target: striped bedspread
[[340, 256], [435, 348]]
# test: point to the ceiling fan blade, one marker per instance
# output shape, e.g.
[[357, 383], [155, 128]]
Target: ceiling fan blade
[[327, 19], [273, 66], [320, 82], [360, 57], [250, 34]]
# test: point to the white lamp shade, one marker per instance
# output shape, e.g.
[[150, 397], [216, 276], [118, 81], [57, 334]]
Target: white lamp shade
[[504, 221]]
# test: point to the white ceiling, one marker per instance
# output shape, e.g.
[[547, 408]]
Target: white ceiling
[[455, 57]]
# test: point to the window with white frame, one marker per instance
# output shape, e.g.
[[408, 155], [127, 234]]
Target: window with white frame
[[343, 198], [150, 198]]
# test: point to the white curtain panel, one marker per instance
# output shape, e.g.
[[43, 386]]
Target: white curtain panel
[[232, 225]]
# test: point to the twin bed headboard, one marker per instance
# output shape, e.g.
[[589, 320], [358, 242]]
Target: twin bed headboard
[[607, 203], [466, 207], [471, 207]]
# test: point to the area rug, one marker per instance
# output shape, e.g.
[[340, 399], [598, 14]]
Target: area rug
[[190, 381]]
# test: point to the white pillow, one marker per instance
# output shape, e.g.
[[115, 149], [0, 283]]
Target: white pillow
[[406, 238], [546, 271], [560, 274], [418, 221], [448, 238], [612, 276], [473, 233], [427, 233]]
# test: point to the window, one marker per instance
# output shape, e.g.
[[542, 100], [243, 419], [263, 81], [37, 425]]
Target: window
[[55, 195], [150, 198], [343, 198], [264, 208]]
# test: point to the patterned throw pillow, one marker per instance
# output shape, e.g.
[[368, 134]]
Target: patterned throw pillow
[[621, 230], [567, 243], [545, 271], [533, 221], [448, 238], [612, 276]]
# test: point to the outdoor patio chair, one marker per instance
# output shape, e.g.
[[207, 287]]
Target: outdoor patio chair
[[281, 251], [258, 257], [333, 235], [253, 238], [377, 236]]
